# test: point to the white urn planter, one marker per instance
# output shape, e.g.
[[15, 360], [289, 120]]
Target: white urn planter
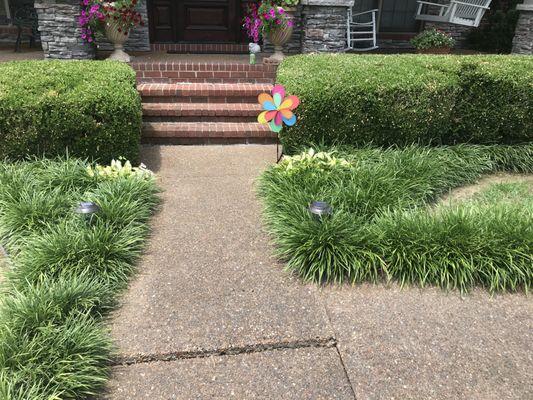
[[117, 39], [279, 36]]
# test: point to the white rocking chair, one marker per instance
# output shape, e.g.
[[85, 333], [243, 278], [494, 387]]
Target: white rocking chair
[[362, 29], [462, 12]]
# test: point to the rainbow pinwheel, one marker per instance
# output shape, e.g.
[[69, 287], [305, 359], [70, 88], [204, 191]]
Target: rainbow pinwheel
[[278, 109]]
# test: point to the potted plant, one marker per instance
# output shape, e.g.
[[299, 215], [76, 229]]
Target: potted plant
[[433, 41], [268, 18], [114, 19]]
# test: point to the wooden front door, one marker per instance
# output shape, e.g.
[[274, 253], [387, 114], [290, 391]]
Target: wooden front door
[[204, 21]]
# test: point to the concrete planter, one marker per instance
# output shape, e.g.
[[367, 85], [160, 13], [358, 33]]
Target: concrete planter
[[117, 39]]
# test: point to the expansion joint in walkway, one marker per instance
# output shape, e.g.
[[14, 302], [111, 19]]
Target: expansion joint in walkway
[[229, 351]]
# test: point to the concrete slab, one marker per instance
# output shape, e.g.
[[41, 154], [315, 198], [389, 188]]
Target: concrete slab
[[208, 281], [208, 161], [310, 373], [426, 344]]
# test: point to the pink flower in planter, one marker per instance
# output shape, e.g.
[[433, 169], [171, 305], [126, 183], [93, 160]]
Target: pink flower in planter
[[278, 109]]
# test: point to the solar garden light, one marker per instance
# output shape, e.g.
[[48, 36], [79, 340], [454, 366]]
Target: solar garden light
[[87, 209], [320, 209]]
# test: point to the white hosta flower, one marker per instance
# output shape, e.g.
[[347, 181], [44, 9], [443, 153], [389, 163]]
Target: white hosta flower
[[320, 161], [117, 169]]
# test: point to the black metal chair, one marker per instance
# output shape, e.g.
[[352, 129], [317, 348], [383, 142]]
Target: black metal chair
[[25, 19]]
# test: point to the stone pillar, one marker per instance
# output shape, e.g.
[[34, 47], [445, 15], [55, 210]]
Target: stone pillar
[[324, 25], [523, 39], [59, 30], [139, 39]]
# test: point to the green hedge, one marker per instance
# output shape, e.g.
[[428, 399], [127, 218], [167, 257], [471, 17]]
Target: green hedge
[[83, 108], [403, 99]]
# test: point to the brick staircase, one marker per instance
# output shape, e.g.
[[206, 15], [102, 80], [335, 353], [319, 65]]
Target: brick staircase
[[203, 102]]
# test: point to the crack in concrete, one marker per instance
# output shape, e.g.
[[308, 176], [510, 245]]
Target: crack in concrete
[[326, 311], [345, 371], [229, 351]]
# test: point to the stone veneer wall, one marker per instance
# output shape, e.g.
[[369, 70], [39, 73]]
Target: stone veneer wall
[[139, 39], [523, 40], [59, 30], [324, 25]]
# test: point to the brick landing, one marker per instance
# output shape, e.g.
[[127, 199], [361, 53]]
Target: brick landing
[[202, 99]]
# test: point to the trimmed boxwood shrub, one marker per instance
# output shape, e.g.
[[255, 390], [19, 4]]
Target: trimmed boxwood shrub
[[83, 108], [403, 99]]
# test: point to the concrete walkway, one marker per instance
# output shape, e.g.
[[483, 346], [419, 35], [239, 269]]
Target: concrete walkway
[[213, 316]]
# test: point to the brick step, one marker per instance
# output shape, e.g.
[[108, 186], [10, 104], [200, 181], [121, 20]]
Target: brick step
[[200, 112], [204, 72], [202, 92], [207, 132]]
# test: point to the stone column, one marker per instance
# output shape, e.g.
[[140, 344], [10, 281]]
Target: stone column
[[59, 30], [324, 25], [523, 39]]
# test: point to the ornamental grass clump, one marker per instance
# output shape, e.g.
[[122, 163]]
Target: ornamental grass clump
[[65, 274], [385, 225]]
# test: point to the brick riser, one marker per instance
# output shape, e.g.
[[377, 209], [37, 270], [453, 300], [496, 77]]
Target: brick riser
[[203, 130], [206, 112], [204, 48], [233, 118], [176, 72], [205, 80], [200, 99]]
